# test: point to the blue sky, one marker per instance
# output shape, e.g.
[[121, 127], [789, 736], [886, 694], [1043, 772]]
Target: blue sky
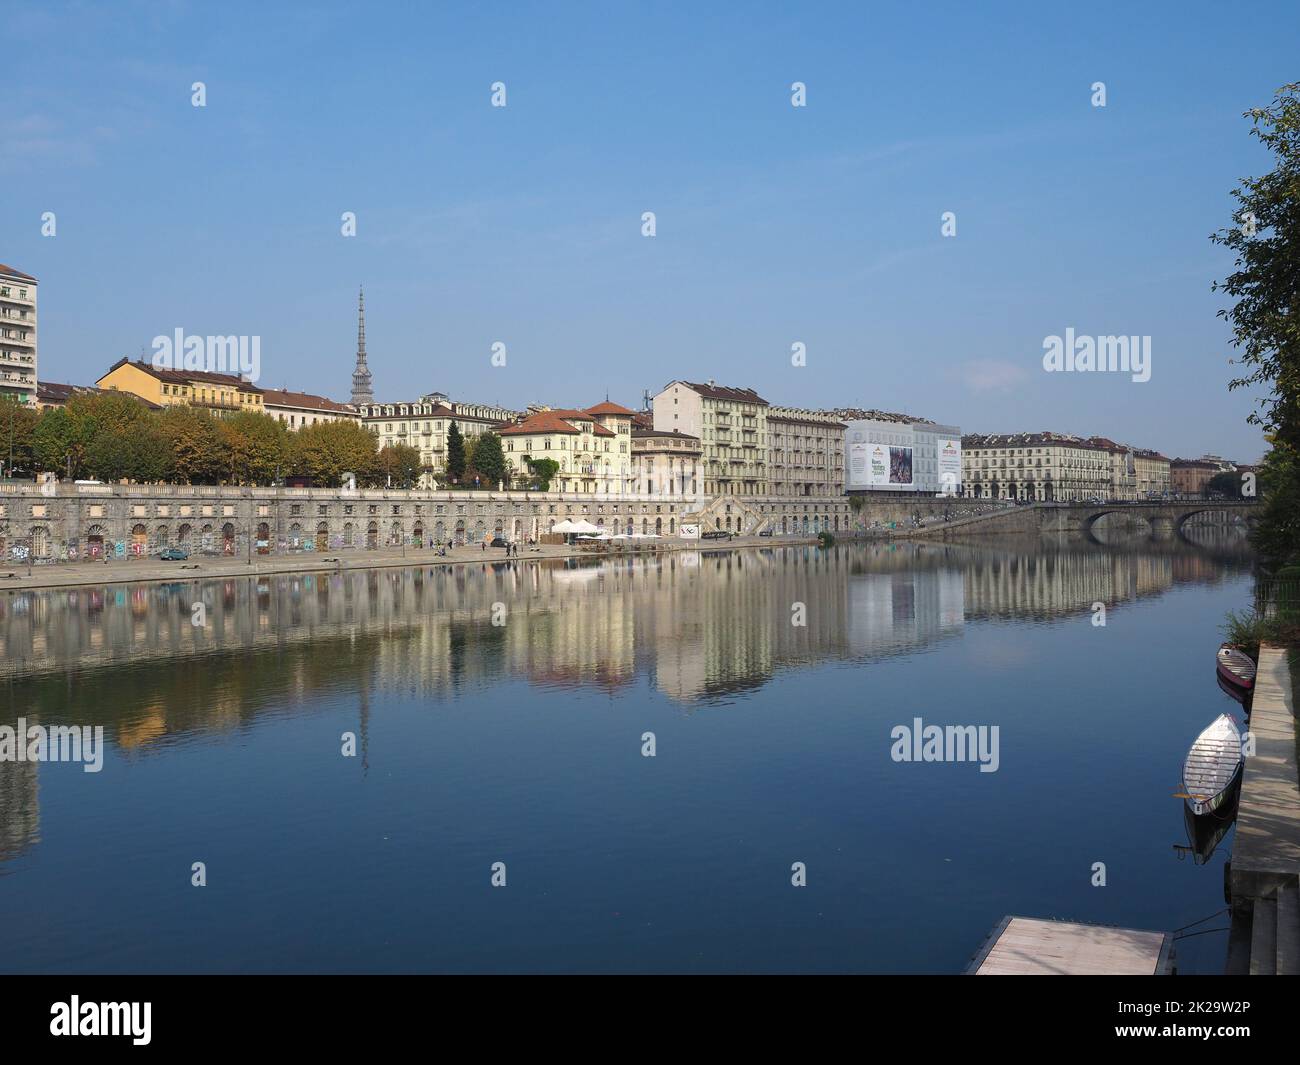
[[775, 224]]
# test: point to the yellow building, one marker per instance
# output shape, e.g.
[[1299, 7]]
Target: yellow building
[[1152, 473], [219, 393]]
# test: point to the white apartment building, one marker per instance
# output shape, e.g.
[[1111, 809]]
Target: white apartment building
[[17, 336], [425, 423], [300, 409], [1042, 467], [900, 454]]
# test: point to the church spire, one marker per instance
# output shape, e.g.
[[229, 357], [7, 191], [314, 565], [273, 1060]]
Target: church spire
[[362, 390]]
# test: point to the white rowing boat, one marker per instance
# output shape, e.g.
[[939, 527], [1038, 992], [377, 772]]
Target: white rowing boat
[[1212, 766]]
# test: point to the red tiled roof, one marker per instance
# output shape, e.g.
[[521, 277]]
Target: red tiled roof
[[283, 398], [554, 421], [52, 392], [611, 408], [9, 271], [734, 395]]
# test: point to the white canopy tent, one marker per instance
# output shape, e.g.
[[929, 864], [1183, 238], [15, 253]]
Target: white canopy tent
[[576, 528]]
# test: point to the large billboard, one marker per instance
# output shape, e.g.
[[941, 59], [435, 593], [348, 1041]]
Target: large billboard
[[900, 466], [873, 463], [884, 464], [949, 449]]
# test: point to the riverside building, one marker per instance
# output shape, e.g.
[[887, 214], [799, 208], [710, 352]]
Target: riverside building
[[899, 454], [17, 336], [424, 424], [1035, 467], [731, 425]]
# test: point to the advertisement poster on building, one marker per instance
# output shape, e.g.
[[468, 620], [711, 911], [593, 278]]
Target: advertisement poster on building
[[879, 464], [900, 465], [949, 461]]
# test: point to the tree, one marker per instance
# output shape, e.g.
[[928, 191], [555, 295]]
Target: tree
[[1265, 319], [256, 448], [543, 472], [120, 437], [195, 440], [1278, 480], [490, 460], [56, 444], [401, 463], [17, 433], [327, 450], [1226, 484], [455, 454]]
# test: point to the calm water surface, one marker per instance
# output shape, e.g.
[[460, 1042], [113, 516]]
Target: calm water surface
[[521, 743]]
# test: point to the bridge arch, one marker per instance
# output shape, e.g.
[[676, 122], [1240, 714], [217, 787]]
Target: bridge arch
[[1178, 514]]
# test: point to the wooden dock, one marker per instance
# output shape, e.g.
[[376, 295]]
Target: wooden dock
[[1264, 875], [1029, 946]]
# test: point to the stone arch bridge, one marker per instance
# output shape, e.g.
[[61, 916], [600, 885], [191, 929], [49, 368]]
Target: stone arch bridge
[[1166, 517]]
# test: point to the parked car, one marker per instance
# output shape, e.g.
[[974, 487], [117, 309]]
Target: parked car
[[715, 534], [173, 554], [765, 532], [499, 541]]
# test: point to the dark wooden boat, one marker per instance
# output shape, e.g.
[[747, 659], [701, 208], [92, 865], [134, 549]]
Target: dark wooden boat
[[1236, 668], [1213, 766]]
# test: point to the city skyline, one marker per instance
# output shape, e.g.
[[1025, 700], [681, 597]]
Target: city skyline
[[776, 225]]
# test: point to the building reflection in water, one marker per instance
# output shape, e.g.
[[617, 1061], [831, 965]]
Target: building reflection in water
[[701, 626]]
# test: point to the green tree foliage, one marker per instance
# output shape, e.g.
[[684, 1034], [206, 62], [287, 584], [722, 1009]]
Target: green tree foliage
[[490, 460], [327, 450], [1265, 319], [455, 454], [120, 436], [400, 465], [543, 472], [17, 437], [1277, 535], [255, 448], [1226, 484], [56, 443], [195, 439]]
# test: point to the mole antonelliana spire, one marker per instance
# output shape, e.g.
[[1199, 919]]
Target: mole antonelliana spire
[[362, 389]]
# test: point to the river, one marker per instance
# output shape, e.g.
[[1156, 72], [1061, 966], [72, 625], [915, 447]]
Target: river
[[503, 716]]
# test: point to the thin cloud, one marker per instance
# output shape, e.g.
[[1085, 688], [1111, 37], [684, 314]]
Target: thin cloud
[[991, 375]]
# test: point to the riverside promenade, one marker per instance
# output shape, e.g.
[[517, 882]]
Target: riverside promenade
[[15, 576]]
